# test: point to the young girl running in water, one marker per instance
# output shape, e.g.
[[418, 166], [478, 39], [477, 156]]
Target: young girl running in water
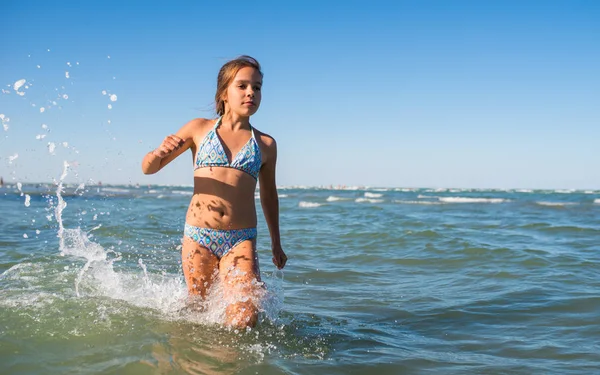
[[229, 156]]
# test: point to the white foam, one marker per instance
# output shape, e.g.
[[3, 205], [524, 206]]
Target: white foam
[[303, 204], [555, 204], [471, 200], [565, 191], [181, 192], [282, 195], [597, 201], [524, 191], [373, 195], [115, 190], [368, 200], [333, 198], [27, 200], [418, 202]]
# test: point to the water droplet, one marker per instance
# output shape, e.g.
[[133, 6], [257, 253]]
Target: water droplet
[[17, 85]]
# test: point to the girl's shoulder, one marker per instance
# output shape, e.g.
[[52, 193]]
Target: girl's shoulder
[[196, 128], [265, 138]]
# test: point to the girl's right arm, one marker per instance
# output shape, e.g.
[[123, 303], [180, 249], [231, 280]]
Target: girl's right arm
[[170, 148]]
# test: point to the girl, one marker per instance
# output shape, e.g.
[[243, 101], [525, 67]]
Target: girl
[[229, 156]]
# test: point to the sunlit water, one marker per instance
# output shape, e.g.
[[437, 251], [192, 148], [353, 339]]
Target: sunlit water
[[383, 281]]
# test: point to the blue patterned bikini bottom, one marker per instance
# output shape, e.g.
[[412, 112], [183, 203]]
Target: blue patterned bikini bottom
[[219, 241]]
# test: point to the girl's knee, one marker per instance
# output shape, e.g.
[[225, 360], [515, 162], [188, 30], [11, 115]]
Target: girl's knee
[[242, 314]]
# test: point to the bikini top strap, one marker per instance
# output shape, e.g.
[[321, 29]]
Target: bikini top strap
[[217, 123]]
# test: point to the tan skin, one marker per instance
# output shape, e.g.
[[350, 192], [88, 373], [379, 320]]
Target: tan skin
[[224, 199]]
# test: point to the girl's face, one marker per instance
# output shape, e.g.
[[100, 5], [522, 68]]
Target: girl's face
[[243, 93]]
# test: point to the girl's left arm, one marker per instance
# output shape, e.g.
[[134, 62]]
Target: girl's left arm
[[270, 202]]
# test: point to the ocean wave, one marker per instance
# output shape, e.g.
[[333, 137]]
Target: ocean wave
[[115, 190], [373, 195], [471, 200], [282, 196], [369, 200], [417, 202], [555, 204], [303, 204], [333, 198], [437, 190], [596, 201], [181, 192]]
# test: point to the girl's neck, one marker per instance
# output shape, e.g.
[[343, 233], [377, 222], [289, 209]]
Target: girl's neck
[[231, 121]]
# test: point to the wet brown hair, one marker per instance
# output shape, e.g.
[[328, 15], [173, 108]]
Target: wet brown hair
[[226, 76]]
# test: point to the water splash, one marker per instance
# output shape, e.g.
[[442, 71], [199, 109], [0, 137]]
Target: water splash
[[162, 293]]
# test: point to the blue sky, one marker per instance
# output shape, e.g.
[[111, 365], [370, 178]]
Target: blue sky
[[487, 94]]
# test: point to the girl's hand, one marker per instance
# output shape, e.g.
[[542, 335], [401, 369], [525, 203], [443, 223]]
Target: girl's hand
[[170, 144], [279, 257]]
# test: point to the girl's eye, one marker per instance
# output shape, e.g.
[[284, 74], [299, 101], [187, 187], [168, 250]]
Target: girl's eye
[[256, 88]]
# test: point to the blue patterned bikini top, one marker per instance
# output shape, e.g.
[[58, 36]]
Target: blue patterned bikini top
[[212, 154]]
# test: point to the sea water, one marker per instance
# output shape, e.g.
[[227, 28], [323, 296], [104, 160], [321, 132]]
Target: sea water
[[379, 280]]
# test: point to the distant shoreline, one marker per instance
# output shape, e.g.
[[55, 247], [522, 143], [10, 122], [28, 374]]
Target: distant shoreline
[[317, 187]]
